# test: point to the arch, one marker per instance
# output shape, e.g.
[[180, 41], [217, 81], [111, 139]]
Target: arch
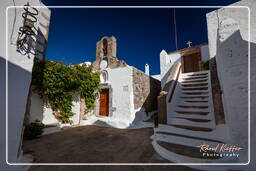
[[104, 76], [105, 46]]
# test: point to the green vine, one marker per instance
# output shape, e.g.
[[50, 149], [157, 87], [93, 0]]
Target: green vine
[[59, 83]]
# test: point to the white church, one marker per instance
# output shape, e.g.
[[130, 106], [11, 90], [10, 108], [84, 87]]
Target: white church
[[128, 96]]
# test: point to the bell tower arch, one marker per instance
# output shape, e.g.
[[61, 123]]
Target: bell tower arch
[[106, 54]]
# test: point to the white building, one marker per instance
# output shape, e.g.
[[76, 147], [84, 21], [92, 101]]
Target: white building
[[18, 51], [168, 59], [126, 92]]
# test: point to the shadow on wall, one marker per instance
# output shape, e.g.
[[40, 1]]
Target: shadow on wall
[[2, 109], [165, 81], [35, 104], [232, 68], [168, 79], [18, 88], [216, 93], [150, 103]]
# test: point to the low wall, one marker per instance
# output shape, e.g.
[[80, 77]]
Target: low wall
[[40, 110]]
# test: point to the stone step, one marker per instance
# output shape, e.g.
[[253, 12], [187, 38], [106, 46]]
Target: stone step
[[194, 110], [194, 77], [184, 83], [195, 81], [193, 106], [194, 88], [186, 97], [195, 92], [191, 116], [194, 85], [195, 73], [193, 103], [189, 142], [188, 123], [218, 134], [181, 159]]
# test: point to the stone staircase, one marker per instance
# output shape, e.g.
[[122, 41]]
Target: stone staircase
[[190, 123]]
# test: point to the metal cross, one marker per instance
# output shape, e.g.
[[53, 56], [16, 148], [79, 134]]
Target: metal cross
[[188, 43]]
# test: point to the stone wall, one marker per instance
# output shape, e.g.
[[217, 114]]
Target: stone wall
[[145, 90]]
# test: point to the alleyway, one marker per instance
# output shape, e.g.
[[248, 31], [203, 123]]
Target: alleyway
[[93, 144]]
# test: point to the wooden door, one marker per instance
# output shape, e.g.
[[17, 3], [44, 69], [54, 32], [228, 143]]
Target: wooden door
[[191, 62], [104, 102]]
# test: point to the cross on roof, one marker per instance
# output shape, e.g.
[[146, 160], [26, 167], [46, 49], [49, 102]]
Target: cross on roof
[[188, 43]]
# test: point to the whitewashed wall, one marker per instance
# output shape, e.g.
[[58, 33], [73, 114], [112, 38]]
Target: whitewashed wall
[[228, 42], [36, 108], [205, 53], [19, 77], [41, 110], [76, 109], [166, 62], [122, 112]]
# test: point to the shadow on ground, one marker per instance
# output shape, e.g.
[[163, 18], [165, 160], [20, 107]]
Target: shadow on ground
[[94, 144]]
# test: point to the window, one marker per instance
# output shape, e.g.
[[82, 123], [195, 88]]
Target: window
[[104, 76]]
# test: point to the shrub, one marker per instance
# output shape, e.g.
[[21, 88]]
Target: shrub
[[33, 130]]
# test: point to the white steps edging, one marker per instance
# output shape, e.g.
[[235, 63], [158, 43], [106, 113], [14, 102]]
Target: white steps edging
[[185, 122], [189, 142], [218, 134], [176, 158], [192, 116]]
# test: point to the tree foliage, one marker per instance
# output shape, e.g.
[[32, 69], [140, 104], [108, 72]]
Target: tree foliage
[[59, 83]]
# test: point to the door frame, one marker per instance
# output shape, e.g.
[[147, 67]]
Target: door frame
[[190, 51], [110, 96], [105, 90]]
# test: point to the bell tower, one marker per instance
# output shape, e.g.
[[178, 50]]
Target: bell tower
[[106, 48], [106, 54]]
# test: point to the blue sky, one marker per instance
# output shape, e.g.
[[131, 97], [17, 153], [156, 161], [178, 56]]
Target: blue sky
[[141, 33]]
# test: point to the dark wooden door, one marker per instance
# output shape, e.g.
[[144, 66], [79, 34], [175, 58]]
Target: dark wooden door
[[191, 62], [104, 102]]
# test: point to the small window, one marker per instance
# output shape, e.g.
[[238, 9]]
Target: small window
[[104, 76]]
